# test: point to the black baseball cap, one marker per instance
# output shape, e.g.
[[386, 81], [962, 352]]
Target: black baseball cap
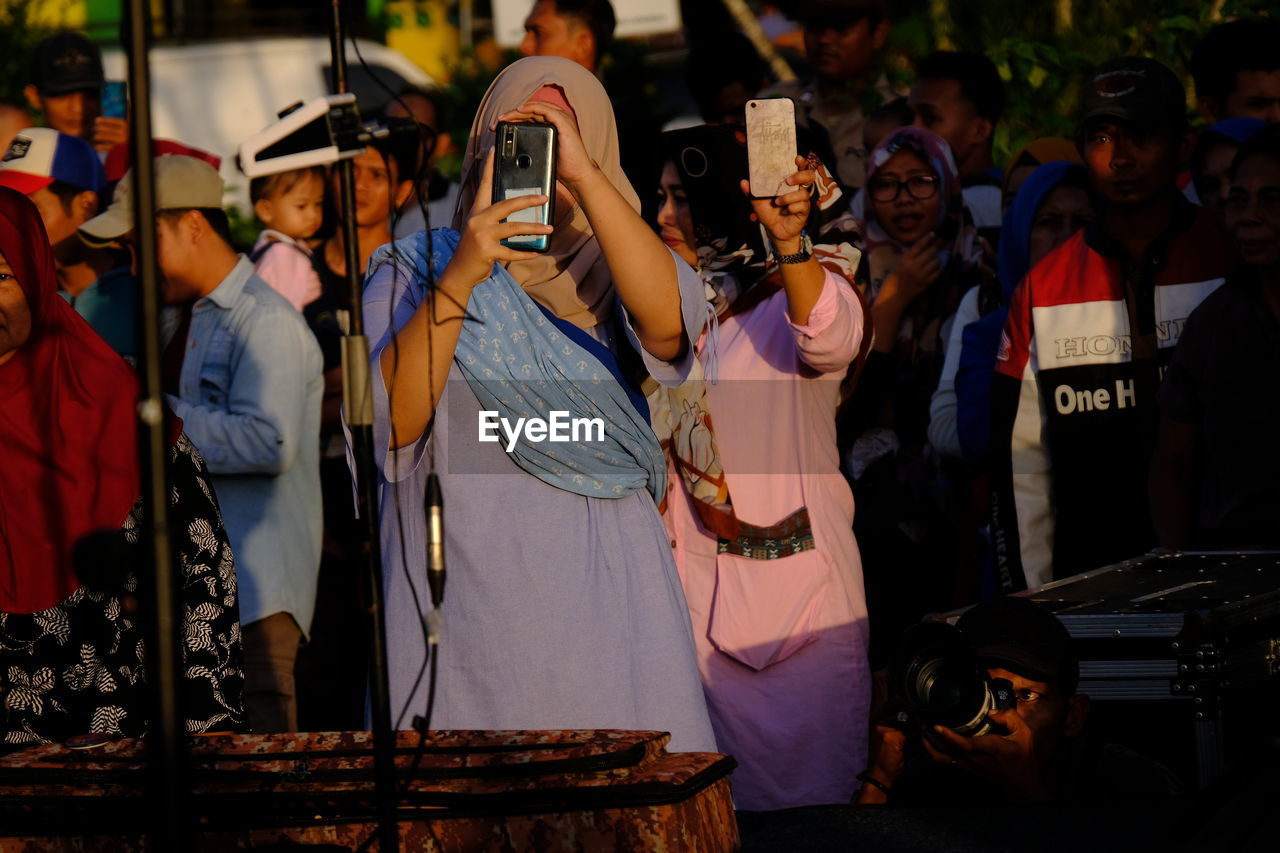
[[1138, 91], [1021, 636], [839, 13], [66, 62]]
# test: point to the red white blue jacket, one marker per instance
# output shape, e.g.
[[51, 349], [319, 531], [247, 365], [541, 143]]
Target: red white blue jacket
[[1074, 410]]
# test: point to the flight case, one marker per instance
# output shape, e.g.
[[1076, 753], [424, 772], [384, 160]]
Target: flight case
[[1197, 633]]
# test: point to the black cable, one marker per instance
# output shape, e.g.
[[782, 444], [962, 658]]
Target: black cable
[[432, 651], [425, 724], [420, 174]]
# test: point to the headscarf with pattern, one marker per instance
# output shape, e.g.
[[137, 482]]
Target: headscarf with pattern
[[961, 250], [739, 271]]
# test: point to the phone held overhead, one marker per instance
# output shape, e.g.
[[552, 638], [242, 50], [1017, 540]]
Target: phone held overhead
[[771, 145]]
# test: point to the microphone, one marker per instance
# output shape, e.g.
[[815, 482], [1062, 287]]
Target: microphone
[[435, 540]]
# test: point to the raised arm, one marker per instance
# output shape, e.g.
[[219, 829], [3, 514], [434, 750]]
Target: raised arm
[[784, 218], [415, 366], [643, 270]]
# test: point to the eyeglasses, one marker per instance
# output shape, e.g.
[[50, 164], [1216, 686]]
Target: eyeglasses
[[919, 187]]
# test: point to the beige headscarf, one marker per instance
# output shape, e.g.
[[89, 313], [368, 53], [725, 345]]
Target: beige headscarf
[[572, 279]]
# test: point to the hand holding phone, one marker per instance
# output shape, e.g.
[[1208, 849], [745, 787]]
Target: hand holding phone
[[486, 228], [785, 215], [573, 163], [110, 128], [771, 145], [525, 165], [113, 99]]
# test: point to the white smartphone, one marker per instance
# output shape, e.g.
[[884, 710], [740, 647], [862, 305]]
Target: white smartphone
[[771, 145]]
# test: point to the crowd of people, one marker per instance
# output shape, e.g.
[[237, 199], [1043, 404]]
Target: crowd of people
[[915, 380]]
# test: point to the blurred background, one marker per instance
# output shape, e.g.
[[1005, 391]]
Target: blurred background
[[223, 68]]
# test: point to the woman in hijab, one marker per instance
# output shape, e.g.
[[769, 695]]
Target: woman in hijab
[[1052, 205], [564, 608], [922, 253], [759, 515], [72, 661]]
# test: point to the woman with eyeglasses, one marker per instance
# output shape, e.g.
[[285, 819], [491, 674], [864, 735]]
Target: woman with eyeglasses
[[921, 253]]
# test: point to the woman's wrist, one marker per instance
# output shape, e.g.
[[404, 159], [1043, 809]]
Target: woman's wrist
[[786, 245], [587, 184], [453, 285]]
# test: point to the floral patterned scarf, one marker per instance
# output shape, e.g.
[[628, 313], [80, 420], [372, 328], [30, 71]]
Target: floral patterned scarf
[[738, 271]]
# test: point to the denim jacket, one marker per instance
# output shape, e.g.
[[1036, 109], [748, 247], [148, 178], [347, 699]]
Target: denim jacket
[[249, 398]]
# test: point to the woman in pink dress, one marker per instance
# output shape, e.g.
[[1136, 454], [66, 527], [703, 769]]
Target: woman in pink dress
[[759, 514]]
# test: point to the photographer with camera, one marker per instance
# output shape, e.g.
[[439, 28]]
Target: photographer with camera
[[988, 711]]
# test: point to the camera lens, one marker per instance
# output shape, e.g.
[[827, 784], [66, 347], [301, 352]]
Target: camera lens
[[934, 675], [523, 161], [940, 683]]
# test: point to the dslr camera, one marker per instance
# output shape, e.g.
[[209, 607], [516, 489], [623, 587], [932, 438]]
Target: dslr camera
[[935, 679]]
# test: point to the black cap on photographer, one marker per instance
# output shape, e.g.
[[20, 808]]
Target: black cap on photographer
[[1137, 91], [66, 62], [839, 13], [1021, 636]]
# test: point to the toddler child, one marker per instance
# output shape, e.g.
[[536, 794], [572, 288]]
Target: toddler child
[[291, 206]]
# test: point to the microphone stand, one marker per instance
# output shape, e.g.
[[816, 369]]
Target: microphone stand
[[166, 749], [358, 412]]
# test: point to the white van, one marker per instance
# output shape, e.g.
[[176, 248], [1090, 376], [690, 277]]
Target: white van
[[215, 95]]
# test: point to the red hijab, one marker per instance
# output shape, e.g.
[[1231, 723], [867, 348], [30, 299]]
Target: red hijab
[[68, 438]]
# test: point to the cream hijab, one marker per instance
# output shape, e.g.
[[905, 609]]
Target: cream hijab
[[571, 280]]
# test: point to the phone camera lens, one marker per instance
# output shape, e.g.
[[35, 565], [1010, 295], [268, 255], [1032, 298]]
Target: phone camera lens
[[524, 161]]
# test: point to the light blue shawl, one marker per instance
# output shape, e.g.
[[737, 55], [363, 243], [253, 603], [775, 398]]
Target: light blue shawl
[[524, 363]]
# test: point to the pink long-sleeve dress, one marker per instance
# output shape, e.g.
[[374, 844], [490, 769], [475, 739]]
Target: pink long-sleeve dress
[[782, 643]]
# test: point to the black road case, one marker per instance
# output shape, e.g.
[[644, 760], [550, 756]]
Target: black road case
[[1196, 633]]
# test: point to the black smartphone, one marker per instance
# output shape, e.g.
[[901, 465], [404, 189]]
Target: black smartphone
[[525, 164], [114, 99]]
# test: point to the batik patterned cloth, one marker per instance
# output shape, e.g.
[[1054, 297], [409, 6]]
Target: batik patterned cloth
[[80, 667], [471, 790]]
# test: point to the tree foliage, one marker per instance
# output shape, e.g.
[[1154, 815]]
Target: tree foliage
[[19, 35], [1044, 50]]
